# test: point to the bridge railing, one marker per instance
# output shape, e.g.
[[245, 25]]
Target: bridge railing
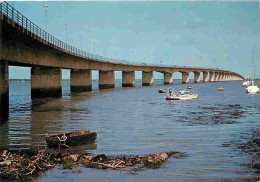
[[48, 39]]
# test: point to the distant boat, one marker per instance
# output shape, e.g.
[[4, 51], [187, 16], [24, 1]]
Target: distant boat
[[220, 89], [246, 82], [252, 89], [189, 87], [183, 95], [162, 91]]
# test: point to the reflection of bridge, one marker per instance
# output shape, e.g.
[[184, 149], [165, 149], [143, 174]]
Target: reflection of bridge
[[23, 43]]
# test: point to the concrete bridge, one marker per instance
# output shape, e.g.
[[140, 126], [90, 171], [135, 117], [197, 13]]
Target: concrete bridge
[[22, 43]]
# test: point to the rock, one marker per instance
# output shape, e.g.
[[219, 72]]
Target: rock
[[101, 158], [86, 160], [71, 158]]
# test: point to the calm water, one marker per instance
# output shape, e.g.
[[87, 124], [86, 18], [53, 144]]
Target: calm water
[[140, 121]]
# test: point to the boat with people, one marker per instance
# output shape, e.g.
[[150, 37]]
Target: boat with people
[[183, 95], [71, 138]]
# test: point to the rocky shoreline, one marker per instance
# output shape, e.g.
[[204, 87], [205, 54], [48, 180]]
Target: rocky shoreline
[[15, 165]]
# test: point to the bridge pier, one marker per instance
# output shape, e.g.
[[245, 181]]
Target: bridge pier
[[216, 76], [205, 76], [80, 80], [128, 78], [211, 76], [106, 79], [168, 79], [185, 77], [147, 78], [196, 77], [4, 91], [224, 77], [46, 82], [220, 77]]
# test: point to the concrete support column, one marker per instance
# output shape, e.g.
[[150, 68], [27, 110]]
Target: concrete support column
[[147, 78], [196, 77], [223, 77], [46, 82], [227, 77], [128, 78], [211, 76], [205, 76], [168, 79], [185, 77], [80, 80], [106, 79], [220, 77], [4, 91], [216, 76]]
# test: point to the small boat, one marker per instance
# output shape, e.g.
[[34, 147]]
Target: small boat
[[162, 91], [220, 89], [252, 89], [189, 87], [246, 83], [71, 139], [183, 95]]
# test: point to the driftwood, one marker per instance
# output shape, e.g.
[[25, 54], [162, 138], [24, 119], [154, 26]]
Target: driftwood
[[21, 165]]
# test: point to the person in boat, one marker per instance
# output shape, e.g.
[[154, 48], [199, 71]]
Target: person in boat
[[171, 92]]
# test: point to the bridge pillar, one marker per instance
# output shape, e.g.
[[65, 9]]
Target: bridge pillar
[[80, 80], [46, 82], [4, 91], [216, 76], [221, 77], [106, 79], [196, 77], [147, 78], [225, 77], [211, 76], [205, 76], [128, 78], [185, 77], [168, 79]]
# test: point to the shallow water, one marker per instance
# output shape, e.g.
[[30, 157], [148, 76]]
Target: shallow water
[[140, 121]]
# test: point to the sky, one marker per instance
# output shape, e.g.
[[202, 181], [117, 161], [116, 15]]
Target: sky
[[215, 34]]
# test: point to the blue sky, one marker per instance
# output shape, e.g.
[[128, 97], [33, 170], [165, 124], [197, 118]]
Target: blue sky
[[206, 34]]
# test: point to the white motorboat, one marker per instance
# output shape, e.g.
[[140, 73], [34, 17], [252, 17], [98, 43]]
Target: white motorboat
[[183, 95], [252, 89]]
